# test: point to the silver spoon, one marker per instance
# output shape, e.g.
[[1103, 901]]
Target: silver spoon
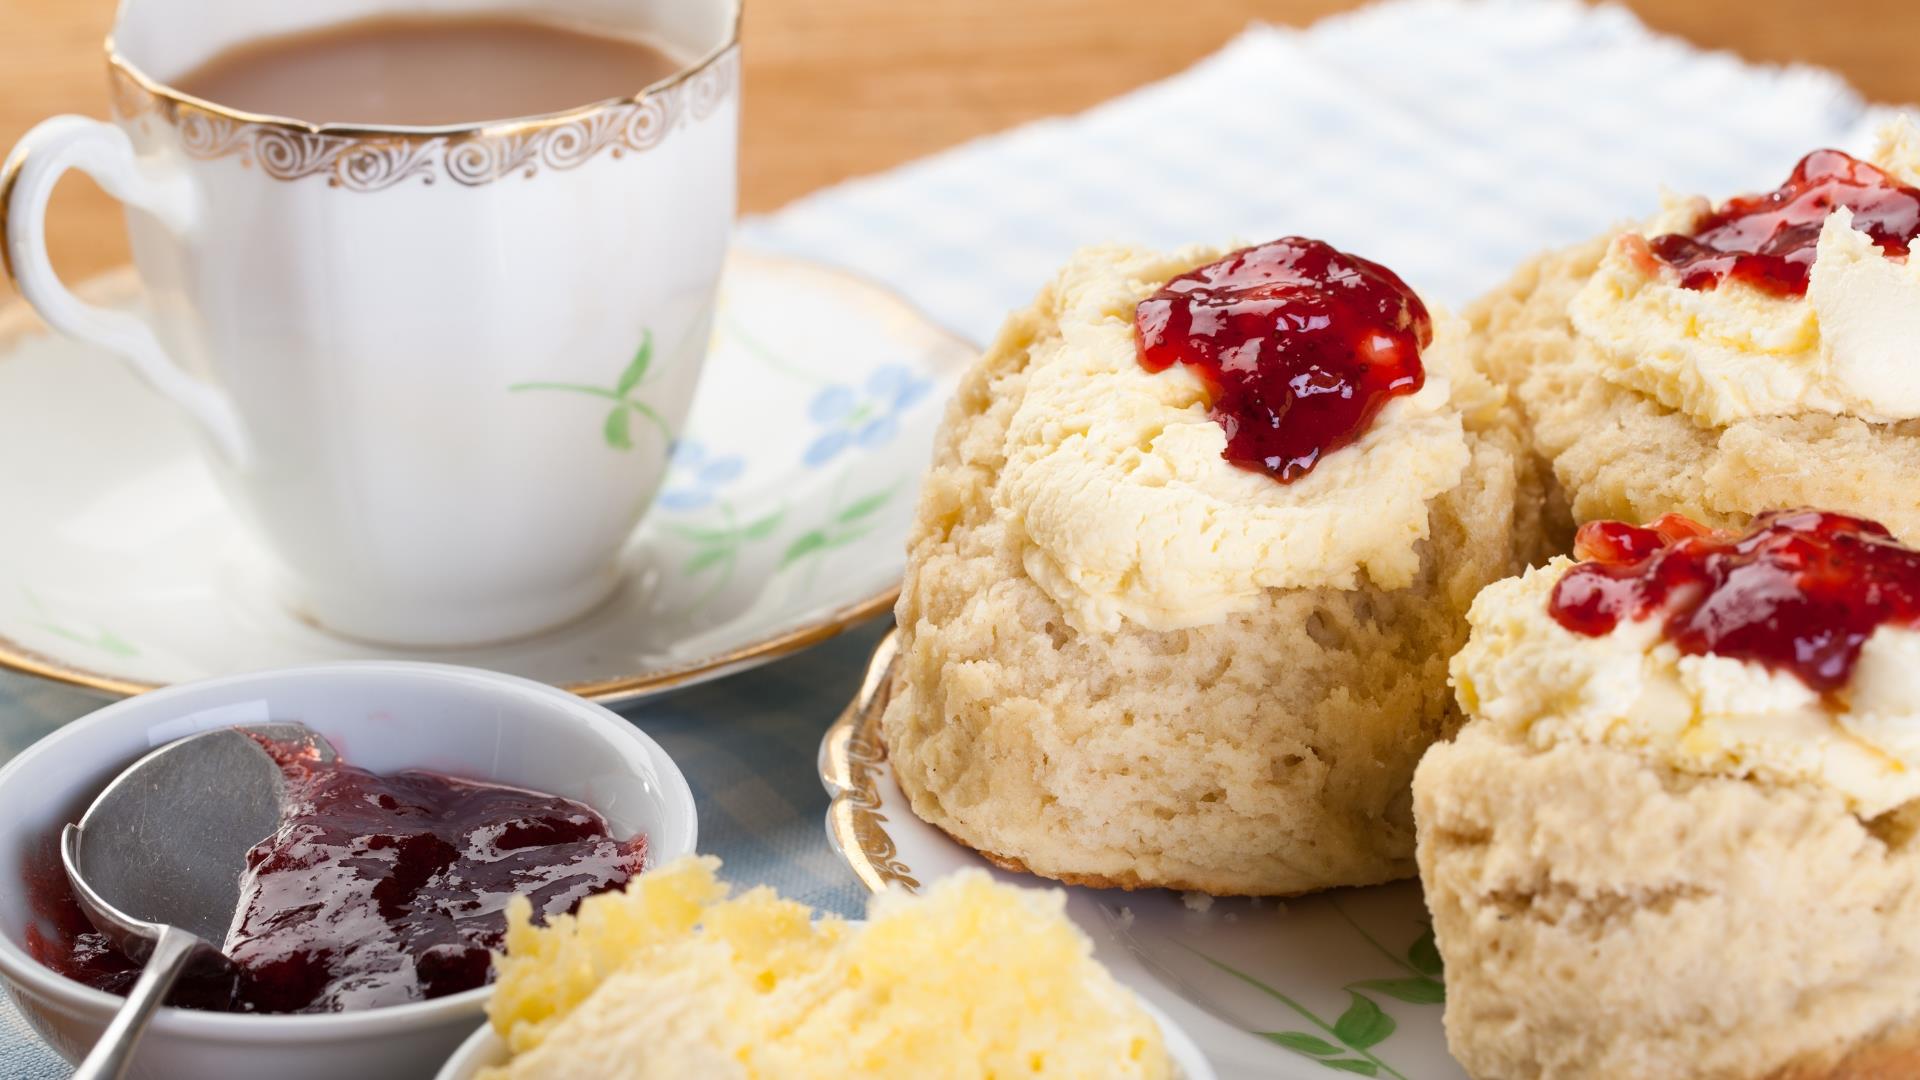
[[156, 862]]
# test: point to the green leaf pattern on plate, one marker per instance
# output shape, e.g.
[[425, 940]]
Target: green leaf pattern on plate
[[1346, 1043], [1304, 1043], [1424, 955], [1364, 1024], [1412, 991]]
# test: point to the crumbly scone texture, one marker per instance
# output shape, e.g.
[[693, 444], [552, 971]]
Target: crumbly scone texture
[[1269, 753], [1602, 916], [1617, 453]]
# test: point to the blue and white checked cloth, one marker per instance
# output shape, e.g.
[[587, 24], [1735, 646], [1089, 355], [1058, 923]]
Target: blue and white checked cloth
[[1448, 139]]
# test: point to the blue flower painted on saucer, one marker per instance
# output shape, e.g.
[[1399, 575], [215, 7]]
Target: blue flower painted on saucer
[[695, 476], [869, 416]]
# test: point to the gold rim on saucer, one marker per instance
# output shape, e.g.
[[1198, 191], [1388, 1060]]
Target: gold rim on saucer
[[17, 320]]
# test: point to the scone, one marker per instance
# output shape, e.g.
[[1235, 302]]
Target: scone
[[1676, 838], [1718, 362], [1199, 534]]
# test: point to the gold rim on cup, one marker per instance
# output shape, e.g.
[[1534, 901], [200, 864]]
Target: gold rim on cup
[[371, 158]]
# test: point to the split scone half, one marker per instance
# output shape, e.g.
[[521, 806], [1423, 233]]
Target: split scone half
[[1677, 837], [1128, 661], [1721, 361]]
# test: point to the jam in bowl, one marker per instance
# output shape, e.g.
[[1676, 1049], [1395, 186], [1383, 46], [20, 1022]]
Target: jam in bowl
[[508, 736], [375, 890]]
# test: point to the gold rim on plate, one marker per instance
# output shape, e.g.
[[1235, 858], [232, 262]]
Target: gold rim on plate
[[851, 757], [17, 320]]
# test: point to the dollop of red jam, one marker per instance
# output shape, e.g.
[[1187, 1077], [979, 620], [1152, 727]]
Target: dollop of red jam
[[1798, 591], [375, 890], [1768, 240], [1300, 346]]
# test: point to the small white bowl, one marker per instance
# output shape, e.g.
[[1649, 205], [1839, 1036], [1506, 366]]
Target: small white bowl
[[484, 1049], [382, 716]]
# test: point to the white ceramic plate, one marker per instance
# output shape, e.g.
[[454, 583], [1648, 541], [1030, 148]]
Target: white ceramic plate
[[783, 519], [1344, 983]]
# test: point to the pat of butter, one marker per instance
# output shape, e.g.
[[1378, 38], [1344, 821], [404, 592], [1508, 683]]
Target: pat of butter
[[672, 978]]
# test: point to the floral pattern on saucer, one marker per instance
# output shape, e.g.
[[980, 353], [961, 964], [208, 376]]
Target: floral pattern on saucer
[[782, 517], [866, 418]]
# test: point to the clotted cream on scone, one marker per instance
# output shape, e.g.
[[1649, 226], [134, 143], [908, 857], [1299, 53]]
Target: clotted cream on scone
[[1677, 836], [1720, 360], [1199, 533]]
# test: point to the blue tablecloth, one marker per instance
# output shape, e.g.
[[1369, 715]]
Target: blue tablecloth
[[747, 745]]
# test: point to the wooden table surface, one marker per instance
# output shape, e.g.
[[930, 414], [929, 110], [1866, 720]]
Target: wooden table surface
[[898, 80]]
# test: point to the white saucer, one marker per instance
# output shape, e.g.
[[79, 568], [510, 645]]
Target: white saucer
[[782, 522], [1342, 983]]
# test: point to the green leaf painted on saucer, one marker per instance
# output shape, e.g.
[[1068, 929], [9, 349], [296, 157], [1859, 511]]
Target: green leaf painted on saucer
[[105, 640], [763, 528], [99, 637], [862, 507], [844, 524], [805, 545], [704, 559], [718, 549], [108, 607]]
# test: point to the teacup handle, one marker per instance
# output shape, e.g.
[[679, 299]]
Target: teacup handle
[[104, 153]]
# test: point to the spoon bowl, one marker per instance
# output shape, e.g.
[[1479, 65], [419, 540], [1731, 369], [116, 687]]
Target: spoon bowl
[[165, 843], [156, 861]]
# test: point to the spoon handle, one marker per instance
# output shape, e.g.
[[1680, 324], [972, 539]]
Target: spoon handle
[[109, 1058]]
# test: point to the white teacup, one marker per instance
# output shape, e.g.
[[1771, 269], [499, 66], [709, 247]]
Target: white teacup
[[438, 369]]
